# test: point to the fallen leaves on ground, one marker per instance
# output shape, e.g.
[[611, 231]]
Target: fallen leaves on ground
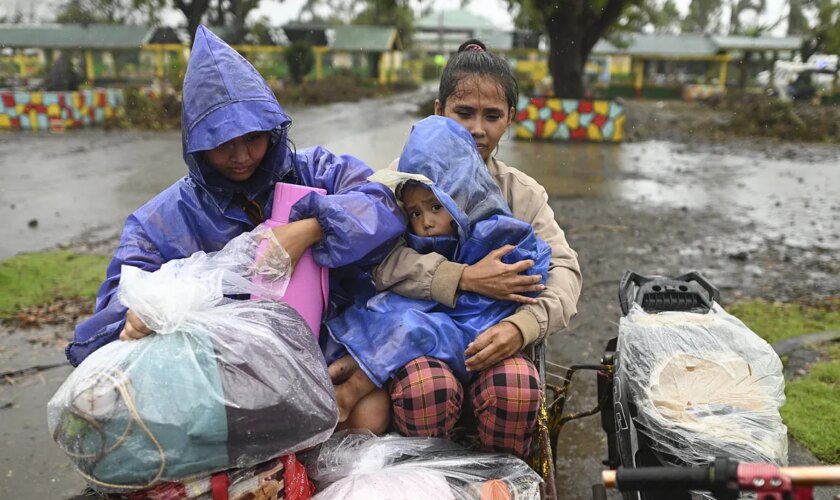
[[62, 311]]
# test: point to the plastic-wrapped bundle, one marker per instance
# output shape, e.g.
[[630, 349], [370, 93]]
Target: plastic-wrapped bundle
[[364, 466], [222, 383], [705, 386]]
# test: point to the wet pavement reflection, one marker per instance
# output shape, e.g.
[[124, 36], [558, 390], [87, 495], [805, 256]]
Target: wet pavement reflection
[[788, 199]]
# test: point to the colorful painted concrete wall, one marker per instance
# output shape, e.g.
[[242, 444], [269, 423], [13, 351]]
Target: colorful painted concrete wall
[[43, 110], [554, 119]]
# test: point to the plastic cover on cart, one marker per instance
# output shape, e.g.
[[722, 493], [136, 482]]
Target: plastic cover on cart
[[364, 466], [222, 383], [704, 385]]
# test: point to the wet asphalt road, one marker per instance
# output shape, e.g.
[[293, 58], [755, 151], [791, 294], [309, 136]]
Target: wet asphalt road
[[758, 224]]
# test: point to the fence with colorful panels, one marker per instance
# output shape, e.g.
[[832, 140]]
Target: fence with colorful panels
[[42, 110], [550, 118]]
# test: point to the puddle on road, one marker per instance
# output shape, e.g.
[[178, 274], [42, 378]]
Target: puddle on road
[[795, 201]]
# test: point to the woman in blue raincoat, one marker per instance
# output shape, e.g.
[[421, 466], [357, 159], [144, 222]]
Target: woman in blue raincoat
[[391, 330], [235, 144]]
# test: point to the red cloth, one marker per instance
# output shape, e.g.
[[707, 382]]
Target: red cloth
[[219, 484], [297, 484]]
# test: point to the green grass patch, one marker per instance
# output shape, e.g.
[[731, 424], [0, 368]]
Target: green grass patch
[[774, 321], [812, 409], [39, 278]]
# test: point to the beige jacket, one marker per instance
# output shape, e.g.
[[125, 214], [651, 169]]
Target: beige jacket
[[431, 276]]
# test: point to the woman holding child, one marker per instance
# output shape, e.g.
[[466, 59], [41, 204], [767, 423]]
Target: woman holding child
[[478, 90]]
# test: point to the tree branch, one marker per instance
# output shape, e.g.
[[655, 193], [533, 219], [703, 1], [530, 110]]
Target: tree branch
[[609, 15]]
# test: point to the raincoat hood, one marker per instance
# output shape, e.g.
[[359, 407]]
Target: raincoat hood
[[225, 97], [443, 151]]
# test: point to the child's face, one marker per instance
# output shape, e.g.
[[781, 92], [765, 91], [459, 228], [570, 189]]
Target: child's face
[[479, 104], [239, 158], [426, 215]]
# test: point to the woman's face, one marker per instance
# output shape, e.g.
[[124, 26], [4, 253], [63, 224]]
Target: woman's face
[[479, 104], [238, 158]]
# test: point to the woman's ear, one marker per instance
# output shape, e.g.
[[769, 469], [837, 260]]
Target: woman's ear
[[510, 115], [438, 108]]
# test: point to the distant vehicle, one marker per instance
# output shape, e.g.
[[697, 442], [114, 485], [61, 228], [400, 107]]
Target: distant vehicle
[[802, 80]]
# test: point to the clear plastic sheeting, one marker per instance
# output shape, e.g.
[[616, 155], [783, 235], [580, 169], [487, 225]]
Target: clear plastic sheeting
[[364, 466], [222, 383], [705, 386]]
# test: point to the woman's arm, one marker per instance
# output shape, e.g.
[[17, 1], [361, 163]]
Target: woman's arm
[[418, 276], [432, 277], [109, 319], [554, 307], [557, 304], [358, 221]]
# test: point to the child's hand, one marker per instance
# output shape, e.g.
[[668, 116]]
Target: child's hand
[[493, 278], [134, 328], [497, 343], [296, 237]]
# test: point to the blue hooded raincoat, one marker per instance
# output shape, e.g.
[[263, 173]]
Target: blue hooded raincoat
[[224, 98], [393, 330]]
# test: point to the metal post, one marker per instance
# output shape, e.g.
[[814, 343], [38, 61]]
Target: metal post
[[91, 73], [724, 63], [640, 76], [21, 59]]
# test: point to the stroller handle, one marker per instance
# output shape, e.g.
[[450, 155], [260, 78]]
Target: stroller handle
[[690, 291]]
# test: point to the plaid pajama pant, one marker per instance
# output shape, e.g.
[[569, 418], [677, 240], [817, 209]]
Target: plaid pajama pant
[[428, 400]]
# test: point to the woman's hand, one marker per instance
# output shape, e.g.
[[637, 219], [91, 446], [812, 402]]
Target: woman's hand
[[134, 328], [493, 278], [497, 343], [296, 237]]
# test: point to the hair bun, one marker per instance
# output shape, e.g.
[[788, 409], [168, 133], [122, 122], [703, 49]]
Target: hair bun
[[472, 45]]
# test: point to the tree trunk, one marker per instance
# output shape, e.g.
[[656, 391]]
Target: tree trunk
[[193, 11], [574, 27], [565, 60]]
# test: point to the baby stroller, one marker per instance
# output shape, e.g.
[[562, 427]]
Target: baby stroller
[[686, 382]]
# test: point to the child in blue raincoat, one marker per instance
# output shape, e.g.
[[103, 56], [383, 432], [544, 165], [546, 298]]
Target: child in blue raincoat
[[236, 147], [456, 210]]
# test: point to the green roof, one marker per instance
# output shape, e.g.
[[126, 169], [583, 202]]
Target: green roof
[[758, 42], [659, 45], [461, 19], [66, 36], [355, 38], [692, 45]]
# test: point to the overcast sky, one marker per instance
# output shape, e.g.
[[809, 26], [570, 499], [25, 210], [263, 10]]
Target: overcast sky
[[280, 12]]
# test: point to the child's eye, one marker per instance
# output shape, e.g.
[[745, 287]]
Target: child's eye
[[436, 207], [493, 118], [414, 214]]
